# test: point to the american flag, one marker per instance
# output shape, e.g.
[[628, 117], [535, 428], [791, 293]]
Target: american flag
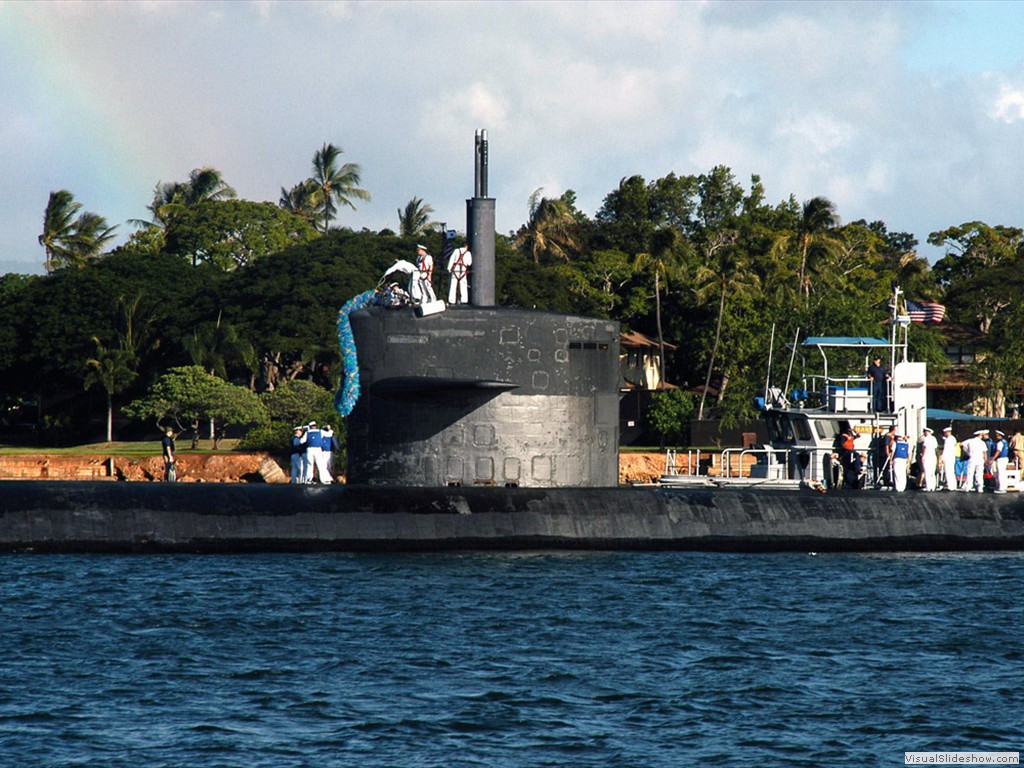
[[925, 311]]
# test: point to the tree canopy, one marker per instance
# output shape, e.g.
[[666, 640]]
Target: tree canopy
[[249, 291]]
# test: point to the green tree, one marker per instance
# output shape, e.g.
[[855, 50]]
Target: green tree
[[188, 395], [624, 221], [231, 234], [335, 184], [813, 234], [291, 404], [550, 231], [71, 240], [981, 269], [664, 262], [669, 415], [301, 200], [171, 198], [114, 370], [415, 219], [725, 272], [597, 278], [286, 304]]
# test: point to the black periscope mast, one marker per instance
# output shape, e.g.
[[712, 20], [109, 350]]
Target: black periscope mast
[[803, 424]]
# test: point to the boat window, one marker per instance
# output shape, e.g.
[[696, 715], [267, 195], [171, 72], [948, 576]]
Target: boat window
[[803, 429], [779, 428], [829, 428]]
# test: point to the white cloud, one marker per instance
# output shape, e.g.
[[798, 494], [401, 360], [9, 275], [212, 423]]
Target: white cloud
[[1009, 105], [816, 98]]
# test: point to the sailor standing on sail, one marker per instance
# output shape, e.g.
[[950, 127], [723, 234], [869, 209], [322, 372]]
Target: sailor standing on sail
[[458, 267], [977, 453], [929, 447], [1000, 459], [900, 458], [949, 458], [425, 264]]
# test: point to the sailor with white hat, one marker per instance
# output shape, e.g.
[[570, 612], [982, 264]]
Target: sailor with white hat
[[298, 456], [929, 459], [977, 455], [313, 451], [425, 264], [949, 446], [900, 459]]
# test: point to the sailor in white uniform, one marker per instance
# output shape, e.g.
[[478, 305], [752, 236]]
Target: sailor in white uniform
[[1000, 459], [425, 265], [900, 459], [977, 455], [949, 444], [313, 452], [929, 448], [458, 267]]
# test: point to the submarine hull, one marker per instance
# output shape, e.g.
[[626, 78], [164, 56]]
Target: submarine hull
[[137, 517]]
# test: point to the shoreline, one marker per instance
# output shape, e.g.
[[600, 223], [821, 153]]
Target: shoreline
[[220, 467]]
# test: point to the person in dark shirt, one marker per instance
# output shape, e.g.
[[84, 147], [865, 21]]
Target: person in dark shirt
[[853, 471], [167, 445], [879, 389]]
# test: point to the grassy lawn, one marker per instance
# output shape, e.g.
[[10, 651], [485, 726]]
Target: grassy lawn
[[144, 448]]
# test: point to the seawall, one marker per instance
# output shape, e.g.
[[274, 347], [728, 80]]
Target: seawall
[[150, 517]]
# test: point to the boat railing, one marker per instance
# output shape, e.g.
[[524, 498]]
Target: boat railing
[[842, 393], [775, 461], [693, 462]]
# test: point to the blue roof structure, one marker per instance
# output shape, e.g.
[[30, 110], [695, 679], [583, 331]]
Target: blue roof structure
[[844, 341], [939, 414]]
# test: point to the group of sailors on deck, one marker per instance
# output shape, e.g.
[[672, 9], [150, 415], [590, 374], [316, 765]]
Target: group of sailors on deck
[[312, 454], [949, 465]]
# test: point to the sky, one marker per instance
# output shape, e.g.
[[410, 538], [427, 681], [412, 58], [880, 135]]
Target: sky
[[909, 113]]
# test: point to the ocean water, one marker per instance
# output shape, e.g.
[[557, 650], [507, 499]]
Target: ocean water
[[536, 659]]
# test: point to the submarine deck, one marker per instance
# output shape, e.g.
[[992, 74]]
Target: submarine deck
[[206, 517]]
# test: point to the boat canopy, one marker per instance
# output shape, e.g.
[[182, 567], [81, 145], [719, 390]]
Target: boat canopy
[[844, 341], [938, 414]]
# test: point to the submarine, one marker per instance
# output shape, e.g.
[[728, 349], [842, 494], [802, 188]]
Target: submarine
[[478, 427]]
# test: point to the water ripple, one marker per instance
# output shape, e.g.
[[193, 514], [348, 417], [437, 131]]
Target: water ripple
[[526, 659]]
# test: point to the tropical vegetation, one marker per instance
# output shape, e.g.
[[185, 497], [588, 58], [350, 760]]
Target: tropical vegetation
[[218, 310]]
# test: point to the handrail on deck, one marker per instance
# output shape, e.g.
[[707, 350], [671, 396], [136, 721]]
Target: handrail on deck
[[769, 453]]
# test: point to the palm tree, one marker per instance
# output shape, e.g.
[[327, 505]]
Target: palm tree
[[58, 227], [170, 198], [207, 184], [414, 220], [665, 262], [71, 241], [114, 370], [92, 234], [335, 184], [813, 232], [551, 228], [724, 272], [301, 200]]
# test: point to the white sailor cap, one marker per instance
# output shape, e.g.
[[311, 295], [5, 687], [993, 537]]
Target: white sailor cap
[[929, 430], [1000, 433], [421, 247], [978, 432], [947, 429]]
